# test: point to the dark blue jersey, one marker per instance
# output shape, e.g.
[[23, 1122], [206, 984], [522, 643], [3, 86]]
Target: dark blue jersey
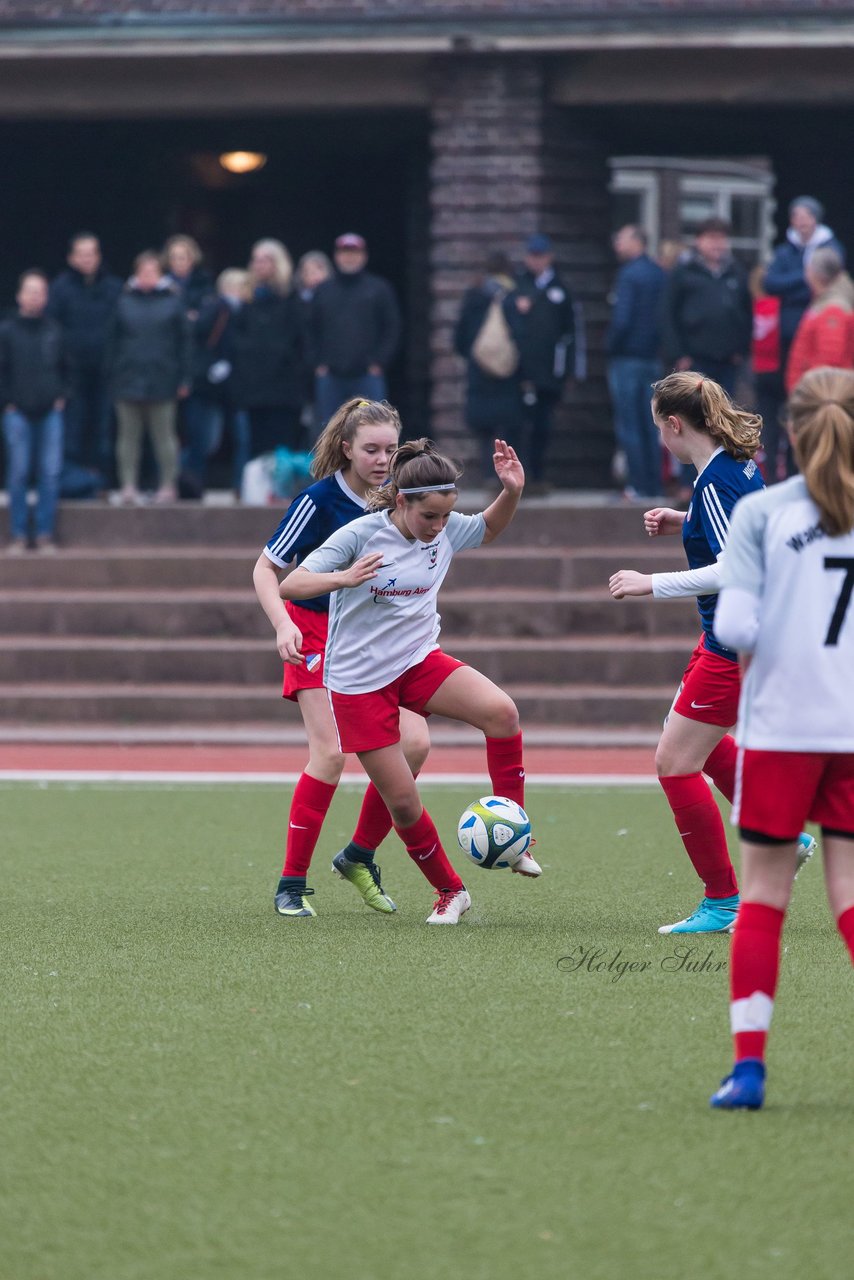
[[313, 515], [717, 489]]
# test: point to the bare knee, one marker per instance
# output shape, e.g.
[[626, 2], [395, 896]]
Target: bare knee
[[326, 764], [501, 719], [415, 743]]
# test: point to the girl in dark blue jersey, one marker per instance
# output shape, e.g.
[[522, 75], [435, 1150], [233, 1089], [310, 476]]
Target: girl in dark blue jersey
[[350, 459], [699, 424]]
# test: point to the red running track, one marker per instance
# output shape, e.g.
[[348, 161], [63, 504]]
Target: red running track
[[113, 758]]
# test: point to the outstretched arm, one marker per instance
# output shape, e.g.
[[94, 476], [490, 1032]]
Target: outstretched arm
[[509, 470]]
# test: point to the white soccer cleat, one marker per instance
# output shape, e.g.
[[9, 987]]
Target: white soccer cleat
[[527, 866], [449, 906], [806, 848]]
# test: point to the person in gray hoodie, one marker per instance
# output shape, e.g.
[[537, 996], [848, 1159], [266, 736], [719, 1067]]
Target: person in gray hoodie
[[785, 278]]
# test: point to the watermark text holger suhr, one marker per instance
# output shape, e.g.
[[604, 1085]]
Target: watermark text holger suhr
[[682, 959]]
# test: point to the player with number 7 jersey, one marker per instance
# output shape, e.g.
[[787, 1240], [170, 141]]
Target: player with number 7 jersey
[[786, 599]]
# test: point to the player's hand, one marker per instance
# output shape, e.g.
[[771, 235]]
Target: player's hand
[[627, 582], [361, 571], [289, 641], [508, 468], [661, 521]]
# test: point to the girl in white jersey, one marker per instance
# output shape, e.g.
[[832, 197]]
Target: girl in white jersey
[[351, 458], [383, 650], [788, 599]]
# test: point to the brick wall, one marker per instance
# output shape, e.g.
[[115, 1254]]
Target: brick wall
[[505, 164]]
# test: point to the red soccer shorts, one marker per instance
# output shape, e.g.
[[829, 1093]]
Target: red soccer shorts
[[777, 792], [709, 689], [368, 721], [309, 673]]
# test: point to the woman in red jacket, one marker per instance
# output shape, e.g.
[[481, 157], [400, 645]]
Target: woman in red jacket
[[825, 336]]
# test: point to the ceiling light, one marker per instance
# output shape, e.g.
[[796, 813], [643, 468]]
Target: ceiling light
[[243, 161]]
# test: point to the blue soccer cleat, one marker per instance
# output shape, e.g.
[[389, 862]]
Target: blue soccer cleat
[[714, 915], [744, 1090], [806, 848]]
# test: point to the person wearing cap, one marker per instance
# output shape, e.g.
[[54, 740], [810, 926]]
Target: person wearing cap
[[785, 278], [546, 338], [353, 330]]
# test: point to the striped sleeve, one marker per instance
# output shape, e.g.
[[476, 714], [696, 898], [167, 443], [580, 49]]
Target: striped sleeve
[[715, 517], [295, 532]]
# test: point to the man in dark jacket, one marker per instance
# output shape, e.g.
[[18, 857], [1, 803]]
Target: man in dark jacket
[[547, 333], [634, 341], [83, 299], [708, 316], [785, 278], [34, 381], [353, 330]]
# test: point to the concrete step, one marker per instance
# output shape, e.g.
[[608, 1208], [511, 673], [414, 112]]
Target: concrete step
[[230, 568], [135, 704], [602, 659], [558, 520], [236, 614]]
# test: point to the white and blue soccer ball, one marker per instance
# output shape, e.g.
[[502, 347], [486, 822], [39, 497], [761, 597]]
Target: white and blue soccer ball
[[494, 832]]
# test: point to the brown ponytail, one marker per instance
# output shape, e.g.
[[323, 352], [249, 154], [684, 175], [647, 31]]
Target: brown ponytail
[[705, 406], [821, 424]]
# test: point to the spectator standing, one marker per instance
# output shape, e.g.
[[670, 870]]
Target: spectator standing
[[34, 384], [634, 342], [766, 361], [546, 338], [83, 299], [785, 278], [312, 270], [825, 335], [708, 314], [210, 406], [148, 360], [494, 405], [182, 257], [268, 335], [354, 330]]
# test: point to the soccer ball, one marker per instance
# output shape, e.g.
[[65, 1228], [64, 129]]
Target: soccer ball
[[494, 832]]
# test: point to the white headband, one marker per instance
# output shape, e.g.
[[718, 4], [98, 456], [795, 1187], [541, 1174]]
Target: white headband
[[430, 488]]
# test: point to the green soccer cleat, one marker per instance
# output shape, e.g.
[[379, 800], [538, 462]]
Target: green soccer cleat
[[292, 901], [365, 879], [714, 915]]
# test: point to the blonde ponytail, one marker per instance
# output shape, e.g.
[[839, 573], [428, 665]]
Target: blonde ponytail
[[705, 406], [821, 423]]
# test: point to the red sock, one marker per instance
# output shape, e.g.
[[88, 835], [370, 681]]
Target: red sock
[[425, 849], [506, 771], [753, 969], [374, 821], [309, 807], [699, 823], [720, 766], [845, 925]]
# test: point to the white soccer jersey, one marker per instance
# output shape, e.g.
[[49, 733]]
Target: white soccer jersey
[[382, 628], [787, 595]]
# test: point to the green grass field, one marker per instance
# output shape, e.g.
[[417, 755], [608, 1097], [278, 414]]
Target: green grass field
[[193, 1088]]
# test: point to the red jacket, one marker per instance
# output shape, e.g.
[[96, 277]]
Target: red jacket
[[825, 336], [765, 347]]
